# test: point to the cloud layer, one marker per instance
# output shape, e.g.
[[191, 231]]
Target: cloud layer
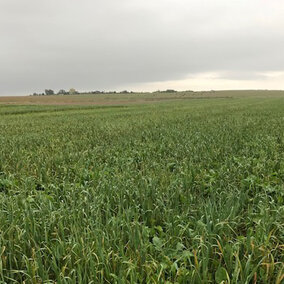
[[139, 44]]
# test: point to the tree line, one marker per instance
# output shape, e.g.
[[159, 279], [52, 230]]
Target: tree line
[[72, 91], [50, 92]]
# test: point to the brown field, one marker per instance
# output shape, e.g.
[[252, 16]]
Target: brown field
[[134, 98]]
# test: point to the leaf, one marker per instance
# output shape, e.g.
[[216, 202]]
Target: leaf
[[221, 275], [30, 199], [180, 246], [157, 243]]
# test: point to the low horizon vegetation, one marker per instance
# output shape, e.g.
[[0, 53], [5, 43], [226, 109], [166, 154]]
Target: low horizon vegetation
[[72, 91]]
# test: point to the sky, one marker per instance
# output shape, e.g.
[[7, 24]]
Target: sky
[[140, 45]]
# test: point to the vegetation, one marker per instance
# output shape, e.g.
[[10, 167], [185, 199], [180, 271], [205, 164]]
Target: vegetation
[[49, 92], [62, 92], [189, 191], [72, 91]]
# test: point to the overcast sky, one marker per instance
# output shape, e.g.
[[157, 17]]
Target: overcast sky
[[140, 45]]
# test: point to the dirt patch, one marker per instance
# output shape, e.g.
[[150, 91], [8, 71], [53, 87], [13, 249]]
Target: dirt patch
[[114, 99]]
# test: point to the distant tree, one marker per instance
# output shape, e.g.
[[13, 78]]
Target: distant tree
[[35, 94], [72, 91], [62, 92], [49, 92], [170, 91]]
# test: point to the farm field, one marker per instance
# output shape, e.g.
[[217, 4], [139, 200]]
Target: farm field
[[142, 188], [136, 98]]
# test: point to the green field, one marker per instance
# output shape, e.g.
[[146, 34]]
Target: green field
[[182, 191]]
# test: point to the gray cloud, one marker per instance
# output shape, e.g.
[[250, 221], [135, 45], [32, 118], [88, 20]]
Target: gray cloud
[[108, 44]]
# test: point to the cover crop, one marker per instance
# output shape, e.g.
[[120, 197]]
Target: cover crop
[[174, 192]]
